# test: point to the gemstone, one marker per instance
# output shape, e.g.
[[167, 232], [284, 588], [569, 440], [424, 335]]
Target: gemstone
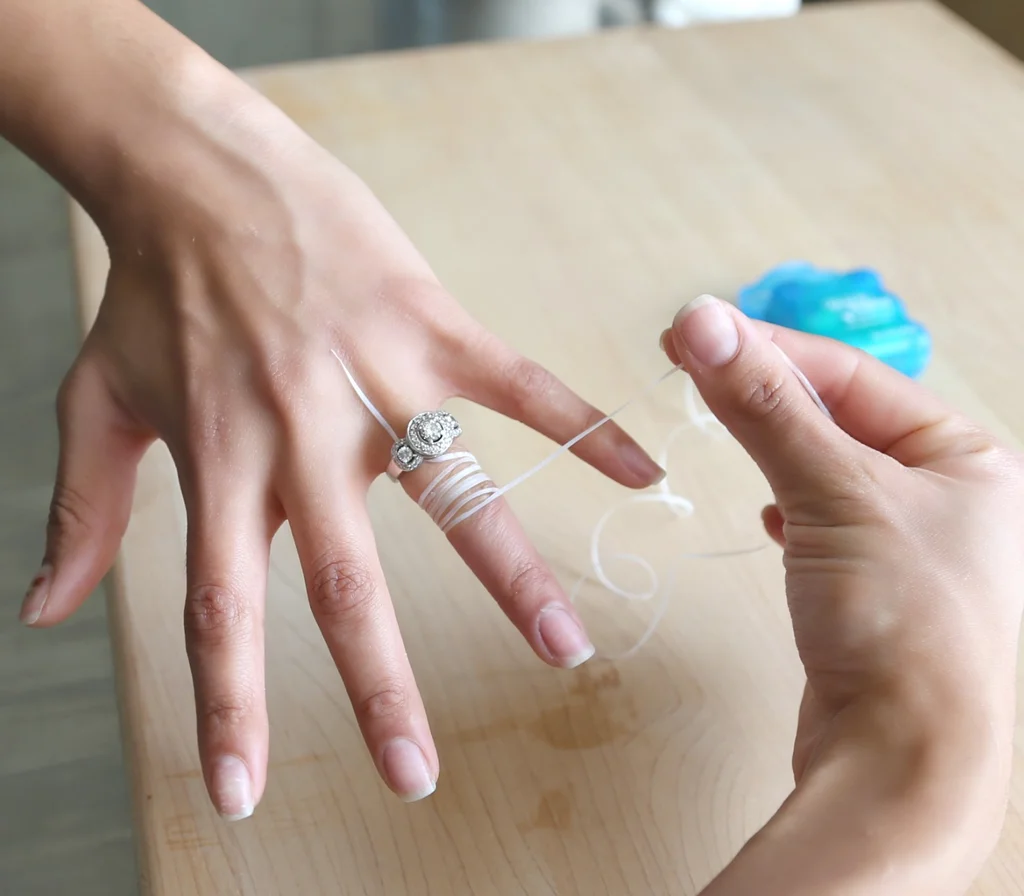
[[432, 430], [405, 456], [430, 434]]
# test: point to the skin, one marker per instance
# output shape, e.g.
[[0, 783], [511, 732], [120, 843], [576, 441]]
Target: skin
[[901, 525], [242, 254]]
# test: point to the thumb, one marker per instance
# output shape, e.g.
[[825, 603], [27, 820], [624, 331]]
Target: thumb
[[753, 389], [99, 454]]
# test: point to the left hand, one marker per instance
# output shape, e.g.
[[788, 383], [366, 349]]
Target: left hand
[[242, 254]]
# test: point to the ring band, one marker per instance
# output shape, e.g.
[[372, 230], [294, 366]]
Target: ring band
[[428, 436]]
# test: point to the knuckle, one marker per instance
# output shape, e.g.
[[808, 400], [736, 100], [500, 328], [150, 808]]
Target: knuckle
[[765, 393], [528, 381], [856, 495], [209, 433], [288, 375], [1002, 473], [591, 416], [389, 700], [490, 518], [214, 614], [288, 379], [229, 710], [530, 578], [955, 435], [462, 336], [340, 590], [984, 447], [421, 299], [862, 481], [70, 510]]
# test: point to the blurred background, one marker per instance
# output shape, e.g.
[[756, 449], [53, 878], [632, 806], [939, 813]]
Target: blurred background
[[64, 813]]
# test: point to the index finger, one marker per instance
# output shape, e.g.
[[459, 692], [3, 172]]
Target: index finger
[[872, 402]]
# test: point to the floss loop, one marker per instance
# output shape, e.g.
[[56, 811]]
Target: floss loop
[[462, 489]]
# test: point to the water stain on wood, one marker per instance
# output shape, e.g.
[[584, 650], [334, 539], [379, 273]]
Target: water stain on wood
[[554, 813], [579, 726], [589, 682], [593, 712]]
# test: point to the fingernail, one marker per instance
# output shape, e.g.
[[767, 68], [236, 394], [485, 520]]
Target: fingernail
[[709, 331], [640, 463], [406, 770], [663, 340], [35, 599], [232, 788], [564, 638]]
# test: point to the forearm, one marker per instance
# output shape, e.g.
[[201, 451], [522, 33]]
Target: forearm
[[94, 90], [876, 821]]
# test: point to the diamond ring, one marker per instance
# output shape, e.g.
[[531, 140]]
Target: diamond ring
[[429, 435]]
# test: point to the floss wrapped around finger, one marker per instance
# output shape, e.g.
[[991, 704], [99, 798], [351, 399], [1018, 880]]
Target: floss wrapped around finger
[[640, 551]]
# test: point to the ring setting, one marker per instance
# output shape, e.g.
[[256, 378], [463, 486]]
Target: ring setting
[[429, 435]]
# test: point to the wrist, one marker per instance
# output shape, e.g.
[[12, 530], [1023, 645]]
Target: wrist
[[887, 806], [915, 813], [109, 98]]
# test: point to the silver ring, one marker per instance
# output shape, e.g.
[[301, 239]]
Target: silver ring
[[428, 435]]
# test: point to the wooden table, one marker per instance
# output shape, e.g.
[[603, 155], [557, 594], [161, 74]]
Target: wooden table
[[573, 195]]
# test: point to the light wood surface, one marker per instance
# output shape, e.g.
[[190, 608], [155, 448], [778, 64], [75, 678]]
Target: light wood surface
[[573, 195]]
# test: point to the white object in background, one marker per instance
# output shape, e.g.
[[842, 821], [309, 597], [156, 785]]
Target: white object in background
[[524, 19], [678, 13]]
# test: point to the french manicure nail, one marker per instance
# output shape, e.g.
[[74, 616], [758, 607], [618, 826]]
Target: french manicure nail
[[232, 788], [564, 638], [709, 331], [35, 599], [406, 770]]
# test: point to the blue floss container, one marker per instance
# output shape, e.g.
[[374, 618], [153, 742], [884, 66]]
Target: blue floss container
[[852, 307]]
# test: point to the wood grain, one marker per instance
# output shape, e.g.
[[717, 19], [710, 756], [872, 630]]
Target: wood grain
[[573, 195]]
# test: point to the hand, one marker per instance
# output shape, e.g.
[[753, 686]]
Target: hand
[[242, 254], [901, 526]]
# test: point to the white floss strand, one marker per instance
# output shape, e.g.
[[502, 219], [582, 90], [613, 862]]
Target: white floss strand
[[365, 399], [806, 383], [462, 489]]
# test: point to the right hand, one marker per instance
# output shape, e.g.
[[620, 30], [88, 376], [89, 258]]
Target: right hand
[[902, 526]]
